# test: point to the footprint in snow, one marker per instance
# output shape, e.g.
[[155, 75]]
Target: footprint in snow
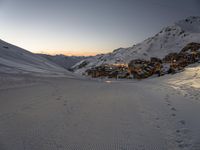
[[181, 140], [182, 132], [182, 122], [157, 126], [196, 146], [173, 109], [169, 104], [184, 145], [173, 115], [178, 131], [58, 98]]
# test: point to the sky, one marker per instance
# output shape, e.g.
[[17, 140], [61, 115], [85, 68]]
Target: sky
[[87, 27]]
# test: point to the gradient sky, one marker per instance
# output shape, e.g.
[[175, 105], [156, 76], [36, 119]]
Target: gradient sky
[[85, 27]]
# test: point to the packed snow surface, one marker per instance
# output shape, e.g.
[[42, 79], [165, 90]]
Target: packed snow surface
[[81, 114]]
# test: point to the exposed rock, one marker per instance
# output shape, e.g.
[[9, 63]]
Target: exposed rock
[[141, 68], [191, 47]]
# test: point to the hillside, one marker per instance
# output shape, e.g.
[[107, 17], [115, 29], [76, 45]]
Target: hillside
[[64, 61], [17, 60], [170, 39]]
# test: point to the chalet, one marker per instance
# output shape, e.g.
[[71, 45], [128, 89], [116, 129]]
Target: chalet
[[99, 71], [192, 51], [188, 55], [143, 69], [155, 60], [171, 57], [194, 47], [110, 71]]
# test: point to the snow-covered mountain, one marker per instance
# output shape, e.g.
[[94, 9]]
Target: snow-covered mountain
[[170, 39], [17, 60], [64, 61]]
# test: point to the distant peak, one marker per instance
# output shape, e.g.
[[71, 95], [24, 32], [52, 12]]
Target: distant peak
[[190, 24], [190, 20]]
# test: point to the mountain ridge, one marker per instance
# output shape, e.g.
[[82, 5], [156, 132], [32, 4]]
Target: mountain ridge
[[64, 61], [14, 59], [170, 39]]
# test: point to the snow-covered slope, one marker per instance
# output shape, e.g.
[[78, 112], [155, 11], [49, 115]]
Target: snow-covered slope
[[64, 61], [170, 39], [107, 114], [189, 79], [17, 60]]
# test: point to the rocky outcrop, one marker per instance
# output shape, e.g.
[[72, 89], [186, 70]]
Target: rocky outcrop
[[141, 68], [188, 55], [191, 47]]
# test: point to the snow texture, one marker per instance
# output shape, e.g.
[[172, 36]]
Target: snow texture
[[17, 60], [79, 114]]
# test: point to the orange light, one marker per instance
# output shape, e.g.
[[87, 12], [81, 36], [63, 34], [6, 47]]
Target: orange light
[[54, 52]]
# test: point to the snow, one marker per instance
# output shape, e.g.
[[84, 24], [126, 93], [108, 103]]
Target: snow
[[188, 79], [64, 61], [44, 107], [65, 113], [190, 24], [17, 60], [170, 39]]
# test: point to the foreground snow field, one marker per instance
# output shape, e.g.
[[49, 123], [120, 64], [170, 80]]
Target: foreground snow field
[[82, 114]]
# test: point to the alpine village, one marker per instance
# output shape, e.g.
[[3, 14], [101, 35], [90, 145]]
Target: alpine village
[[141, 69]]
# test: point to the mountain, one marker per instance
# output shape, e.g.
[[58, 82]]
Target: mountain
[[64, 61], [170, 39], [17, 60]]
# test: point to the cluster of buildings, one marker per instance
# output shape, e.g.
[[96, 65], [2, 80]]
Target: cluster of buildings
[[140, 69], [188, 55], [110, 71]]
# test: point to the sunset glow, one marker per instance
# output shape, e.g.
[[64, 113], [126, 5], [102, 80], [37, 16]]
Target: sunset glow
[[85, 27], [68, 53]]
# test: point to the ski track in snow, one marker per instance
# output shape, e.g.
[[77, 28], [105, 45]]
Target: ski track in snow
[[78, 114]]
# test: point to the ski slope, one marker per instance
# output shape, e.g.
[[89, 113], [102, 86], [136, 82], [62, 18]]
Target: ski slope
[[17, 60]]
